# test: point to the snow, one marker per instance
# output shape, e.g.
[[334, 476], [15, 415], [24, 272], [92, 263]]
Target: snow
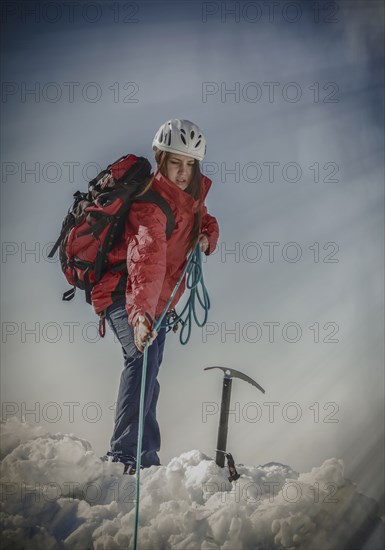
[[56, 493]]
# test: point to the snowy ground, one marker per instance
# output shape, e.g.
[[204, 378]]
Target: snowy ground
[[56, 493]]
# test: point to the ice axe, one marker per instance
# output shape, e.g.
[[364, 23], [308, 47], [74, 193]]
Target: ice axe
[[229, 374]]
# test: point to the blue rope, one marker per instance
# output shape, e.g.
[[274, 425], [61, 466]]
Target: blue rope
[[195, 277], [194, 281]]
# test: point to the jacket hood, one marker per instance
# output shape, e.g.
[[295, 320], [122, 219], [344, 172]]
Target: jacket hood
[[176, 194]]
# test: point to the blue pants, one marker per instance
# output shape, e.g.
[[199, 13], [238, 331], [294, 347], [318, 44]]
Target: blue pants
[[125, 434]]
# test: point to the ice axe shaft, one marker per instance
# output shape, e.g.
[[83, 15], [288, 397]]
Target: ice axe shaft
[[229, 374], [223, 422]]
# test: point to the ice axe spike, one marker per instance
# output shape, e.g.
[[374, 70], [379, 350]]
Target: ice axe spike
[[229, 374]]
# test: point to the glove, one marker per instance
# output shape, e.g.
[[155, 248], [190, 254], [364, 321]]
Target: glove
[[203, 242], [141, 330]]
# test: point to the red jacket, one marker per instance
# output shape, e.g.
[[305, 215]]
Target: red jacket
[[154, 263]]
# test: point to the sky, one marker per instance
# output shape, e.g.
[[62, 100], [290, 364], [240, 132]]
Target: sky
[[291, 102]]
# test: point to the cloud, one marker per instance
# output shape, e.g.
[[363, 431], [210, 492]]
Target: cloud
[[56, 493]]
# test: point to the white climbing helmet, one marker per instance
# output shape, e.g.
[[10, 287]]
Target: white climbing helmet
[[181, 136]]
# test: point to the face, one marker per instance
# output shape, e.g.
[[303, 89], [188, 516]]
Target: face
[[179, 170]]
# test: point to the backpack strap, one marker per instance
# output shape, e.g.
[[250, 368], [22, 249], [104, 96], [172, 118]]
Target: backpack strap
[[68, 222], [150, 196], [156, 198]]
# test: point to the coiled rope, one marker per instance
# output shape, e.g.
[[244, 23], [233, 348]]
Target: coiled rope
[[198, 291]]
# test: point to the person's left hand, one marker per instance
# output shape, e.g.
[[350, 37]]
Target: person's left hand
[[203, 242]]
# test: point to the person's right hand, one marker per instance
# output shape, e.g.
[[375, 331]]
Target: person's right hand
[[141, 331]]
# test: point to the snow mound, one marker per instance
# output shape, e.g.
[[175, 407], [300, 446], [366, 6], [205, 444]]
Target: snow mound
[[57, 494]]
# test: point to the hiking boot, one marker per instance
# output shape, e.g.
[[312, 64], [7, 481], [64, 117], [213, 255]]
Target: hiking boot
[[128, 461], [129, 469]]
